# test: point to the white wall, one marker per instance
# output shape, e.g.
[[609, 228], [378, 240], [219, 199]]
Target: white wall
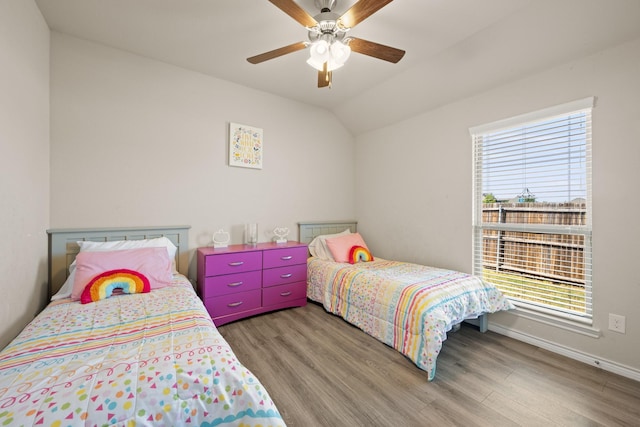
[[414, 190], [24, 164], [140, 142]]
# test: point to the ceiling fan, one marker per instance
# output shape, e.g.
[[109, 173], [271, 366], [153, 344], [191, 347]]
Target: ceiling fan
[[329, 44]]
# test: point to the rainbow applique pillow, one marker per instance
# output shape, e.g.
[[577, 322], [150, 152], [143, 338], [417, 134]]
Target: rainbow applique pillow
[[359, 254], [104, 284]]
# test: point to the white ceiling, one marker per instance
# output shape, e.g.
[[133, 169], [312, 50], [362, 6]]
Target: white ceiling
[[455, 48]]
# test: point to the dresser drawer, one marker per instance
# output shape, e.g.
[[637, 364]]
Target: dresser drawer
[[282, 275], [233, 263], [233, 303], [229, 283], [284, 256], [280, 294]]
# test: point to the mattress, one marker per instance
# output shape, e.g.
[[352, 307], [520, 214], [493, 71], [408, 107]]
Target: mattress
[[409, 307], [143, 359]]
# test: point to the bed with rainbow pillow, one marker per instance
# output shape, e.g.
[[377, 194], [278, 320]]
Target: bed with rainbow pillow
[[126, 341], [407, 306]]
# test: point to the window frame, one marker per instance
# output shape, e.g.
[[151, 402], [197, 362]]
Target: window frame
[[531, 310]]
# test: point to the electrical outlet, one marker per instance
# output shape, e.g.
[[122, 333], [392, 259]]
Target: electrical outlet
[[617, 323]]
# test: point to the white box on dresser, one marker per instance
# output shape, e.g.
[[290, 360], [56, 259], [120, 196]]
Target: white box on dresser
[[243, 280]]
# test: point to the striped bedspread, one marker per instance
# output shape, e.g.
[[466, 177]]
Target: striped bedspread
[[131, 360], [409, 307]]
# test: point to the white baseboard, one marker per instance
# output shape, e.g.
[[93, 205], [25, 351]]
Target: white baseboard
[[607, 365]]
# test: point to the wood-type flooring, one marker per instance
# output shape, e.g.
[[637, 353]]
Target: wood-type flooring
[[321, 371]]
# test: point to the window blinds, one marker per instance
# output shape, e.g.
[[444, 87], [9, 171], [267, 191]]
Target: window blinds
[[532, 208]]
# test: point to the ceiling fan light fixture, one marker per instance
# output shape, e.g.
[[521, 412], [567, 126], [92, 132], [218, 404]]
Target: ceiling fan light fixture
[[334, 53], [318, 65], [340, 52], [333, 65], [320, 50]]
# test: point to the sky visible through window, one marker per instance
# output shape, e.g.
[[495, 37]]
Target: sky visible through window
[[545, 160]]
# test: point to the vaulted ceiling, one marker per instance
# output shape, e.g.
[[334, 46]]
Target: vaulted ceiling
[[454, 48]]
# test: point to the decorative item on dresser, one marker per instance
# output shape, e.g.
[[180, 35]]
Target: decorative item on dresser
[[221, 239], [243, 280], [251, 233], [281, 234]]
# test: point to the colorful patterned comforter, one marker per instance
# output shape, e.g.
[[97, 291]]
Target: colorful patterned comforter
[[409, 307], [130, 360]]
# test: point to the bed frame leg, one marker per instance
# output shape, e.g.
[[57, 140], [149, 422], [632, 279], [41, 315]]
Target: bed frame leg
[[483, 323]]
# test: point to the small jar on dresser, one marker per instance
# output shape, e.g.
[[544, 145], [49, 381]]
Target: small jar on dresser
[[243, 280]]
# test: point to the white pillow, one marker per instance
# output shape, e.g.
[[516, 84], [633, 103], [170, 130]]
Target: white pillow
[[318, 247], [116, 245], [67, 287]]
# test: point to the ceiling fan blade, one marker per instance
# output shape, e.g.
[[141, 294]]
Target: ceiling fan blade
[[361, 11], [277, 52], [376, 50], [324, 77], [292, 9]]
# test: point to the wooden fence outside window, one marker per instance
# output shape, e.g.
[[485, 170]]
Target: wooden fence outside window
[[521, 262]]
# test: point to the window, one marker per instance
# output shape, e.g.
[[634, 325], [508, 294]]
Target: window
[[532, 208]]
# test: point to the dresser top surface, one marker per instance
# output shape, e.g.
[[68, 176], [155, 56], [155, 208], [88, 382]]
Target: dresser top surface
[[210, 250]]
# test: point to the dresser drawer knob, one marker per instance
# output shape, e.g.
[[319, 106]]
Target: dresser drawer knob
[[234, 304], [286, 258], [285, 294], [235, 264], [233, 285], [286, 276]]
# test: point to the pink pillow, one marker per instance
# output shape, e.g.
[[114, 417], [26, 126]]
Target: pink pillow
[[340, 246], [154, 263]]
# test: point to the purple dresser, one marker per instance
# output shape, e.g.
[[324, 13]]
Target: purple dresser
[[244, 280]]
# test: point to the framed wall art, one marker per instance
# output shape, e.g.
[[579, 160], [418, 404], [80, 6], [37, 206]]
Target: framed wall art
[[245, 146]]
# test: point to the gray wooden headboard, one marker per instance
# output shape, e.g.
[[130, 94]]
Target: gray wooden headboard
[[308, 230], [63, 246]]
